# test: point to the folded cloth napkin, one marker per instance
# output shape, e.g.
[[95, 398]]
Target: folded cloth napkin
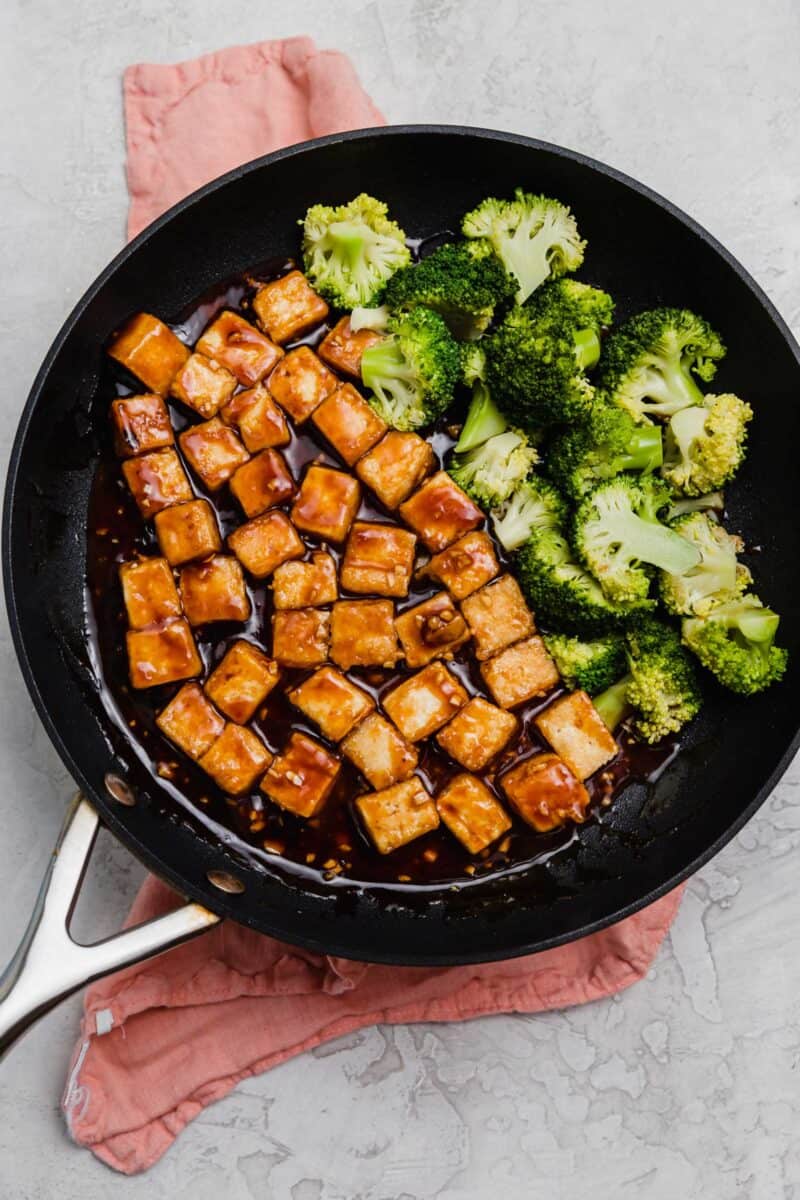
[[161, 1040]]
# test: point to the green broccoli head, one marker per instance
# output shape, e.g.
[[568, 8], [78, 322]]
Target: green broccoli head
[[570, 303], [473, 363], [534, 507], [717, 578], [590, 665], [413, 371], [663, 689], [350, 251], [736, 643], [493, 470], [705, 444], [609, 443]]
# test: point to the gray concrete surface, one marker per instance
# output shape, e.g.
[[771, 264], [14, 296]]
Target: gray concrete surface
[[688, 1084]]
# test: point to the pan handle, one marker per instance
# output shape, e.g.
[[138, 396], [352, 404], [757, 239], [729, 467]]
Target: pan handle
[[48, 965]]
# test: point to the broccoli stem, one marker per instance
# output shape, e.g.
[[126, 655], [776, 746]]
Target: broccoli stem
[[484, 420], [645, 451], [676, 388], [649, 542], [349, 241], [587, 348], [612, 704]]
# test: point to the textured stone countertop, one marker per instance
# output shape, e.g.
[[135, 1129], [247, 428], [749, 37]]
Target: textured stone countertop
[[685, 1086]]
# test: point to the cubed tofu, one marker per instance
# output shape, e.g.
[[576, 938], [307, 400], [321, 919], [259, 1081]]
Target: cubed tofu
[[305, 584], [242, 681], [288, 307], [301, 778], [264, 543], [422, 704], [157, 481], [477, 733], [239, 347], [149, 592], [378, 559], [332, 702], [397, 815], [380, 752], [214, 452], [236, 759], [545, 793], [432, 629], [349, 424], [342, 348], [203, 385], [263, 482], [520, 672], [165, 654], [141, 424], [397, 465], [577, 733], [214, 590], [465, 566], [363, 634], [258, 418], [497, 616], [326, 504], [150, 351], [472, 813], [440, 512], [190, 722], [300, 637], [300, 383], [187, 532]]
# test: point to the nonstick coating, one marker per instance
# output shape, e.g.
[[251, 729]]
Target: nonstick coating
[[645, 252]]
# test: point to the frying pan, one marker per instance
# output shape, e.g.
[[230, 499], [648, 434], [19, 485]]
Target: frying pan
[[645, 252]]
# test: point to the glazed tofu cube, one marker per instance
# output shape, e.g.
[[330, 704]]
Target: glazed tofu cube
[[302, 777], [326, 504], [398, 463], [300, 637], [289, 307], [242, 681], [363, 634], [465, 566], [236, 759], [165, 654], [519, 673], [214, 452], [262, 483], [203, 385], [258, 418], [471, 813], [141, 424], [157, 481], [380, 752], [214, 590], [577, 733], [149, 592], [349, 424], [332, 702], [378, 559], [342, 348], [497, 616], [422, 704], [545, 793], [305, 584], [477, 733], [190, 721], [150, 351], [440, 512], [300, 383], [238, 346], [265, 542], [397, 815], [187, 532], [431, 630]]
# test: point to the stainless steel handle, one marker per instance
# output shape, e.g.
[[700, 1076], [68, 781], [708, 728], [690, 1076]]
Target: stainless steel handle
[[48, 965]]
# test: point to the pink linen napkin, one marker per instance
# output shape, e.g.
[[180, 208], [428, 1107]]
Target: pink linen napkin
[[162, 1040]]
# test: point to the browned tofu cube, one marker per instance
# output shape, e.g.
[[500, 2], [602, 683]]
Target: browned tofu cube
[[150, 350], [380, 752], [342, 349], [545, 793], [465, 566], [326, 504], [305, 584], [289, 307], [300, 637], [300, 383], [348, 422], [156, 481], [239, 347], [432, 629], [520, 672], [440, 512], [242, 681], [141, 424], [577, 733], [149, 592], [190, 721], [497, 616], [363, 634], [397, 815], [265, 542], [422, 704], [378, 559], [203, 385], [398, 463], [332, 702], [258, 418], [472, 813], [214, 590], [214, 452], [236, 759], [477, 733], [302, 777], [165, 654], [187, 532], [262, 483]]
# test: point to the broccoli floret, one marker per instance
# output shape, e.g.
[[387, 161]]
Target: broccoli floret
[[705, 444], [648, 363], [350, 251], [412, 372], [609, 443], [568, 302], [491, 472], [473, 363], [376, 318], [533, 236], [590, 665], [714, 502], [736, 643], [535, 506], [717, 578]]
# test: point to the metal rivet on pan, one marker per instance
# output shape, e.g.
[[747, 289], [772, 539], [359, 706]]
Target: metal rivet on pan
[[119, 790], [225, 881]]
